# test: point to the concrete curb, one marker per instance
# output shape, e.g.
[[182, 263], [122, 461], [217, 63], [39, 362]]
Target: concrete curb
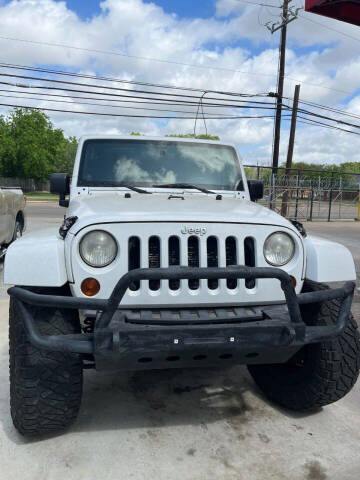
[[32, 202]]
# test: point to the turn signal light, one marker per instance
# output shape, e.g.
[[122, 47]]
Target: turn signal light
[[293, 281], [90, 287]]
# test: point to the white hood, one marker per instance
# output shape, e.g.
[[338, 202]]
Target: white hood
[[113, 207]]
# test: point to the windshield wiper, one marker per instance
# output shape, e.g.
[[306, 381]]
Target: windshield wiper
[[115, 184], [184, 185], [134, 189]]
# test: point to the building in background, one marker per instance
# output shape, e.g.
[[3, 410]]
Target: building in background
[[344, 10]]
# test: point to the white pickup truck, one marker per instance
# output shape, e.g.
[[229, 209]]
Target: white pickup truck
[[164, 259], [12, 216]]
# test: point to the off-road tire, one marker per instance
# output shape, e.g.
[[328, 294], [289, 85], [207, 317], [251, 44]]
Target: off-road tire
[[320, 373], [18, 230], [45, 386]]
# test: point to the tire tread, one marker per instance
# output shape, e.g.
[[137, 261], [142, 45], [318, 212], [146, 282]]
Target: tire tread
[[337, 364], [45, 386]]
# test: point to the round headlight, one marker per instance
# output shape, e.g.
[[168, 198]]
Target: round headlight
[[98, 248], [279, 249]]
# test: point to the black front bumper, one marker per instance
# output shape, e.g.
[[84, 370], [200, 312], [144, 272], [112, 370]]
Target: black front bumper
[[270, 334]]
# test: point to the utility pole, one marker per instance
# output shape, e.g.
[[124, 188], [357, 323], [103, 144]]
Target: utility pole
[[290, 154], [289, 14], [280, 88], [293, 127]]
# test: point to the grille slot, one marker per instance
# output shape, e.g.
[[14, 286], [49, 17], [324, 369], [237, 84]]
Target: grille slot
[[174, 259], [249, 253], [134, 259], [231, 259], [154, 260], [193, 259], [212, 260], [155, 251]]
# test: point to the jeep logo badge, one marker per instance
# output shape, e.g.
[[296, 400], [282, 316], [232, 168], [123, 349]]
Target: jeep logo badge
[[193, 231]]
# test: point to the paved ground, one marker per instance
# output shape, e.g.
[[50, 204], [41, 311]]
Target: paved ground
[[185, 424]]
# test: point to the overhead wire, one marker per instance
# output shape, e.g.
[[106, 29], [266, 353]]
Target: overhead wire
[[269, 5], [309, 120], [105, 87], [327, 108], [324, 117], [137, 57], [129, 98], [132, 116], [168, 61], [135, 101], [357, 39], [154, 101], [114, 106], [142, 97], [123, 81]]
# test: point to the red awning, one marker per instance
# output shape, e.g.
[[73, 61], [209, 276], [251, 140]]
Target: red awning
[[344, 10]]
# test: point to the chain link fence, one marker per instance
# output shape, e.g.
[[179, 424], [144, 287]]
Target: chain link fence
[[26, 184], [309, 194]]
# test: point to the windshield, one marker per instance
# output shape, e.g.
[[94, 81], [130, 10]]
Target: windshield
[[151, 163]]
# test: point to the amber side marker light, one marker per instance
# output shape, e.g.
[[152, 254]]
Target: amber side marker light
[[90, 287], [293, 281]]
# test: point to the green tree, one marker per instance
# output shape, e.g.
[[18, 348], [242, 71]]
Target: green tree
[[184, 135], [66, 156], [351, 167], [30, 146], [191, 135]]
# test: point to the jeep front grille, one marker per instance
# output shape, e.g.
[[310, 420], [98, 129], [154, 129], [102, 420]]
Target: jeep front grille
[[193, 259], [192, 251], [174, 259]]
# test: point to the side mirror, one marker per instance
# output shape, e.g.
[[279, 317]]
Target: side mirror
[[256, 189], [60, 183]]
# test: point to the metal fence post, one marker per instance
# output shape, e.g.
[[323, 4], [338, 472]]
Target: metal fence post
[[311, 201], [330, 195], [270, 191], [297, 195], [340, 195], [358, 215]]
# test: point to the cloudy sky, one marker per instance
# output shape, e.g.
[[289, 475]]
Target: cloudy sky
[[225, 46]]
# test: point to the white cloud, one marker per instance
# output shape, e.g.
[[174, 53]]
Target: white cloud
[[233, 40]]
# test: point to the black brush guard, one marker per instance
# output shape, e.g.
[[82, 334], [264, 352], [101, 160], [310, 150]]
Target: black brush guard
[[119, 343]]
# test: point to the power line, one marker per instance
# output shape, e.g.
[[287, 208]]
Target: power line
[[209, 67], [315, 123], [114, 106], [105, 87], [309, 120], [109, 79], [117, 80], [120, 54], [103, 78], [190, 104], [133, 116], [357, 39], [259, 4], [302, 119], [328, 108], [122, 97], [318, 115]]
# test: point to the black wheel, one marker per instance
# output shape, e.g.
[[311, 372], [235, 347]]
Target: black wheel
[[319, 374], [18, 229], [45, 387]]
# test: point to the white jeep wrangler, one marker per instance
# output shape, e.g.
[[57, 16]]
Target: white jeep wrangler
[[165, 260]]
